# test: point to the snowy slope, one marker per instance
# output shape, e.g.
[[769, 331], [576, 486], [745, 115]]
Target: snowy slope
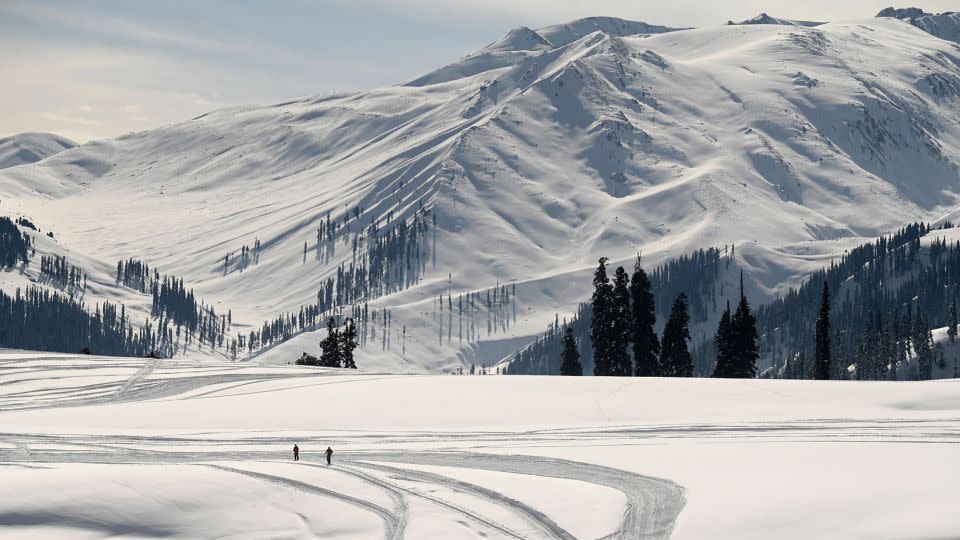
[[943, 25], [30, 148], [99, 447], [536, 155]]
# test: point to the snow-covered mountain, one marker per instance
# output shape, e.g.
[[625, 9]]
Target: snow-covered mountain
[[944, 25], [763, 18], [521, 43], [30, 148], [533, 157]]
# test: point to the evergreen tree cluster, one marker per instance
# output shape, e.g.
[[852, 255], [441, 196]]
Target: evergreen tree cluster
[[698, 271], [888, 294], [384, 261], [736, 342], [696, 275], [57, 271], [623, 314], [24, 222], [135, 274], [172, 300], [543, 356], [44, 320], [14, 245], [337, 348]]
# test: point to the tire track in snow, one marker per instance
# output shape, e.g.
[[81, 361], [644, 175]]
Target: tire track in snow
[[393, 525], [653, 504]]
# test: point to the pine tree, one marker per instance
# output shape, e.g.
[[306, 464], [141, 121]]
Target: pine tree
[[602, 301], [924, 349], [675, 359], [330, 346], [570, 358], [646, 345], [952, 321], [348, 342], [745, 339], [620, 363], [800, 366], [821, 359], [724, 342]]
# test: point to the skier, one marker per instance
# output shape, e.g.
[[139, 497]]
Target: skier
[[329, 453], [296, 453]]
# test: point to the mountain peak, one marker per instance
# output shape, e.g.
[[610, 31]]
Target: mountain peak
[[566, 33], [764, 18], [903, 13], [523, 42], [519, 39]]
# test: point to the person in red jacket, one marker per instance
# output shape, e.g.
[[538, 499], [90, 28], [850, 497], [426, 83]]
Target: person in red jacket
[[296, 453], [329, 453]]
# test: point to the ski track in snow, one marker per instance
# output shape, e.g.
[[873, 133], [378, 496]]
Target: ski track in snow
[[544, 525], [652, 504], [144, 371], [393, 523], [458, 509], [390, 461]]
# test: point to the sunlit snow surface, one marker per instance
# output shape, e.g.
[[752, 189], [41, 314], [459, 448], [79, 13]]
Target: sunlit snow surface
[[96, 447]]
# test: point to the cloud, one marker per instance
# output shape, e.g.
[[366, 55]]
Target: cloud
[[95, 69], [676, 12], [102, 23]]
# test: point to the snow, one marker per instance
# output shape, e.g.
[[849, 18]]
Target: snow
[[536, 158], [201, 449], [83, 500], [943, 25], [30, 148]]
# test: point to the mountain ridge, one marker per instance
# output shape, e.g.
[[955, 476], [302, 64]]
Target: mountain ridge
[[944, 25]]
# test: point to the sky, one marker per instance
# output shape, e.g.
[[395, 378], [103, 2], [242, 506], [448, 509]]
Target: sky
[[102, 68]]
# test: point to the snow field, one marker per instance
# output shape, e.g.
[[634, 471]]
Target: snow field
[[201, 449]]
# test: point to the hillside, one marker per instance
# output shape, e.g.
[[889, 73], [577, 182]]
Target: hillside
[[30, 148], [524, 163]]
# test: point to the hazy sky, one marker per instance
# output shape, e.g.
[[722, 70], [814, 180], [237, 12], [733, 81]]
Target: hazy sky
[[101, 68]]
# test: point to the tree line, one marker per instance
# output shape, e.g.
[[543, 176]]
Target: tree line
[[14, 245], [40, 319], [56, 270], [890, 294]]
